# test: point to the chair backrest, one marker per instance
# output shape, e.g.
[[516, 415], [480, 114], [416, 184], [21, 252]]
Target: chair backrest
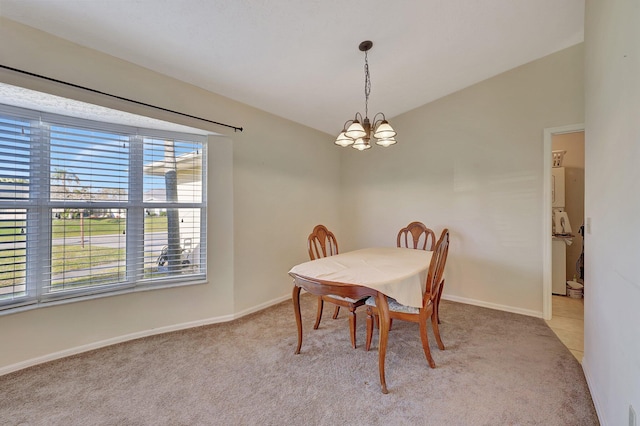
[[416, 236], [322, 243], [446, 252], [436, 268]]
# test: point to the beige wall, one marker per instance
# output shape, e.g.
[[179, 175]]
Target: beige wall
[[472, 162], [268, 186], [612, 203], [573, 163]]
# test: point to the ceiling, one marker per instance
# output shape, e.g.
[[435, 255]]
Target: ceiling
[[299, 59]]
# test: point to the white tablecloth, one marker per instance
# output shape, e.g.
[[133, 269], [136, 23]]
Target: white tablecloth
[[397, 272]]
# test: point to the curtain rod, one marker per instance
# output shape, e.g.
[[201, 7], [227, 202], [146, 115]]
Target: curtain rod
[[235, 129]]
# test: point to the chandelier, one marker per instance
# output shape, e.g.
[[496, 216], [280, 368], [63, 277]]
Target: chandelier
[[357, 132]]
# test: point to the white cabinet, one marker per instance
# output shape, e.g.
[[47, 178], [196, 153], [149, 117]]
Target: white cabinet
[[558, 266], [557, 187]]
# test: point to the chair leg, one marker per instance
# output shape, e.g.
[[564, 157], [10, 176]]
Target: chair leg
[[336, 312], [319, 314], [425, 342], [369, 328], [378, 322], [352, 326], [436, 330]]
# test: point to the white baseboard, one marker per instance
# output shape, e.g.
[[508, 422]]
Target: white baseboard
[[506, 308], [137, 335], [594, 395], [261, 306]]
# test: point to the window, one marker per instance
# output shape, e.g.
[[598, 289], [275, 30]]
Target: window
[[89, 207]]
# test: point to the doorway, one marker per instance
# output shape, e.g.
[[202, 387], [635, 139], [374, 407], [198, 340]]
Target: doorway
[[549, 135], [567, 189]]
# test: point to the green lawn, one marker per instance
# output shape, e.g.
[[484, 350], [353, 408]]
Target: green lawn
[[71, 227], [73, 257], [10, 273], [9, 230], [67, 258], [107, 276]]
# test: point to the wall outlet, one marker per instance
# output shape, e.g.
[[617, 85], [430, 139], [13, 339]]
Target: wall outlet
[[632, 416], [588, 225]]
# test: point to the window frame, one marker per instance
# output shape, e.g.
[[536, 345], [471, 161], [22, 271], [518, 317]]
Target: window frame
[[40, 209]]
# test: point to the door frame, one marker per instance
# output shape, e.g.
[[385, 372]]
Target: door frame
[[546, 212]]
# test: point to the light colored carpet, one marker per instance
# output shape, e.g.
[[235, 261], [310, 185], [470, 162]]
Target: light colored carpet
[[498, 369]]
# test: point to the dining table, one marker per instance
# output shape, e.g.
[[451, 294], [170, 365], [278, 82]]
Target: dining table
[[379, 272]]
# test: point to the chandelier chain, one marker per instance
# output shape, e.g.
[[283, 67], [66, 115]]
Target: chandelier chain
[[367, 85]]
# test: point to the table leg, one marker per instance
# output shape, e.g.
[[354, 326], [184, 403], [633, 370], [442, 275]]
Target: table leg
[[296, 309], [383, 313]]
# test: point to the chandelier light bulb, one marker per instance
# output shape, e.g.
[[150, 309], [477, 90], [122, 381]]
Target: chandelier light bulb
[[361, 144], [386, 142]]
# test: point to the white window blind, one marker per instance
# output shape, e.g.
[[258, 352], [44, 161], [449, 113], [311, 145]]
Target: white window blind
[[15, 164], [89, 207]]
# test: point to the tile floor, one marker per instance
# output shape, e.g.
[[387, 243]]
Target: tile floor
[[568, 323]]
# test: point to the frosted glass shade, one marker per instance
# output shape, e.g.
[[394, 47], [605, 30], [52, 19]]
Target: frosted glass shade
[[384, 131], [343, 140], [355, 131]]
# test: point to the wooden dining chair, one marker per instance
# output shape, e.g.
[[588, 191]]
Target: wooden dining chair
[[416, 236], [323, 243], [429, 299]]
